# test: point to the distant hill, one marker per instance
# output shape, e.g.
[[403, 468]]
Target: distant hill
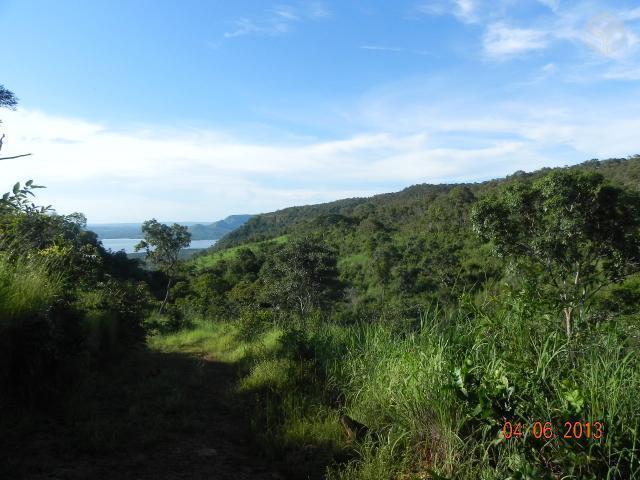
[[218, 229], [199, 231], [414, 208]]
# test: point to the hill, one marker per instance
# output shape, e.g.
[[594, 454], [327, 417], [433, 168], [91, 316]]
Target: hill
[[199, 231], [404, 209], [414, 246]]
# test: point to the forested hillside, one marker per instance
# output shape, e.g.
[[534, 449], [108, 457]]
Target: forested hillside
[[405, 209], [415, 246], [455, 331]]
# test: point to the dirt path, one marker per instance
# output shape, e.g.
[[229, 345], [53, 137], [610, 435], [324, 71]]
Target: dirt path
[[157, 416]]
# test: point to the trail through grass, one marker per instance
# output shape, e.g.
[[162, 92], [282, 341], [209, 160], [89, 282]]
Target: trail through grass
[[433, 396]]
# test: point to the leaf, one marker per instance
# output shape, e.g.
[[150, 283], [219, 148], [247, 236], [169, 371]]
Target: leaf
[[16, 188]]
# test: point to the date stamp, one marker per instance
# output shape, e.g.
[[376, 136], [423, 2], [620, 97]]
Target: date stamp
[[547, 431]]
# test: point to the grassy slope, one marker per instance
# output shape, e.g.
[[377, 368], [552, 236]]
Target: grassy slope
[[211, 258], [433, 395], [401, 384]]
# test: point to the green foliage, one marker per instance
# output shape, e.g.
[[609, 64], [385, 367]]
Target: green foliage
[[162, 244], [18, 199], [38, 330], [252, 323], [581, 232], [64, 301], [301, 275]]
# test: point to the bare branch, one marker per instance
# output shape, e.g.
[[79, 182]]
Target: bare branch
[[16, 156]]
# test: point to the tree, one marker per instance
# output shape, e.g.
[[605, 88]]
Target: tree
[[8, 100], [580, 231], [301, 275], [162, 244]]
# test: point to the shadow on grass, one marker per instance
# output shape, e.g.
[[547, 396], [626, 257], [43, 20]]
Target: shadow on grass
[[149, 415]]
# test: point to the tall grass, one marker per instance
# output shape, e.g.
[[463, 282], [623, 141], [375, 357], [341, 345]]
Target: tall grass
[[28, 342], [27, 287], [435, 396]]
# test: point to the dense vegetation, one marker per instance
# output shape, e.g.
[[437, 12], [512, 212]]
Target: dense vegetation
[[433, 334], [65, 303], [429, 317]]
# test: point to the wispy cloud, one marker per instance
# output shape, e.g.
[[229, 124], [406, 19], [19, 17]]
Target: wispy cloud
[[630, 73], [317, 10], [609, 31], [552, 4], [382, 48], [390, 49], [463, 10], [503, 41], [287, 12], [279, 20]]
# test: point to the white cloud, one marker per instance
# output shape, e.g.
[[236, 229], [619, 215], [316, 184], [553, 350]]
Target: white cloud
[[286, 12], [630, 73], [246, 26], [279, 20], [502, 41], [631, 15], [608, 35], [463, 10], [552, 4], [202, 174]]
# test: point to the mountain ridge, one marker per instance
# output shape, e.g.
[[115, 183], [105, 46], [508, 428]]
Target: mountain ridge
[[199, 231], [408, 203]]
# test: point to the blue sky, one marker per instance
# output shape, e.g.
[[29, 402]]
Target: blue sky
[[194, 110]]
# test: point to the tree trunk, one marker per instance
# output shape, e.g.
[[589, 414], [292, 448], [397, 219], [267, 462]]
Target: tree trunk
[[567, 320], [166, 297]]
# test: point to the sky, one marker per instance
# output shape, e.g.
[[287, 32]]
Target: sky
[[195, 110]]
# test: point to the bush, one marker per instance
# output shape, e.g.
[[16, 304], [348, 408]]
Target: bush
[[39, 330], [252, 322]]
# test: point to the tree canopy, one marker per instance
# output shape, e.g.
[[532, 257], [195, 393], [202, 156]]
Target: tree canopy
[[581, 231], [7, 98], [301, 275], [162, 244]]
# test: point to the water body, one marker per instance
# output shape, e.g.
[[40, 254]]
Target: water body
[[128, 244]]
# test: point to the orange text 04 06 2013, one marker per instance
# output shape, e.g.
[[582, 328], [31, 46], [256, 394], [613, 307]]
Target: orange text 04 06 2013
[[546, 430]]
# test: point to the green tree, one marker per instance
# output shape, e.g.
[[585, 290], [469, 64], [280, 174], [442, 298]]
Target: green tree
[[301, 275], [162, 244], [580, 231], [383, 260]]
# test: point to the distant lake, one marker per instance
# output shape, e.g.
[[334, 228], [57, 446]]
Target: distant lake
[[128, 244]]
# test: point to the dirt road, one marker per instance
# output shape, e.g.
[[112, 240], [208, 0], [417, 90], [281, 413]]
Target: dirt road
[[155, 416]]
